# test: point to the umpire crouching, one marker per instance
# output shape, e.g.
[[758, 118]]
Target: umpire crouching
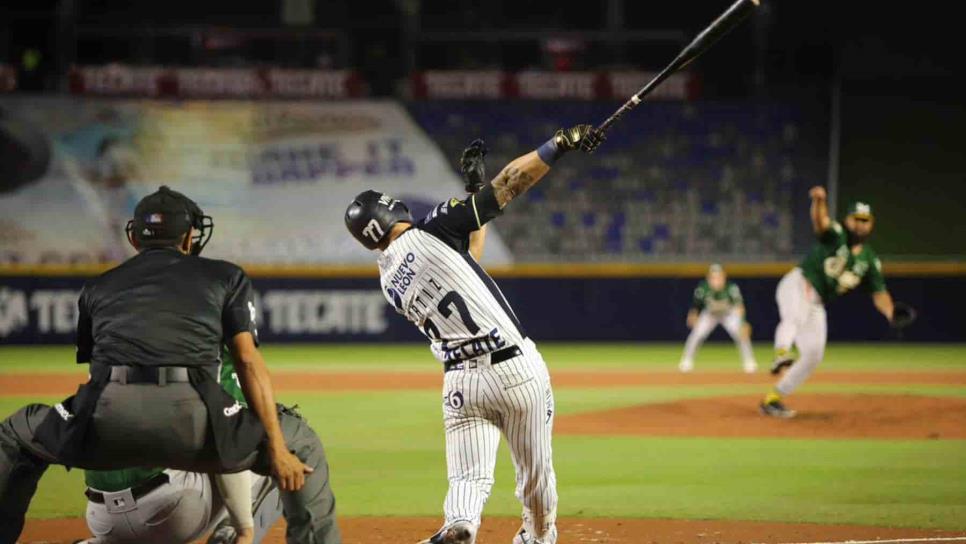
[[152, 330]]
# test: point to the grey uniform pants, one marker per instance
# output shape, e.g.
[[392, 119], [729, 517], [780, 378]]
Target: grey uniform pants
[[185, 509], [149, 425]]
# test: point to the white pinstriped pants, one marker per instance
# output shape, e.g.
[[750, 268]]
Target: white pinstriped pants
[[513, 398]]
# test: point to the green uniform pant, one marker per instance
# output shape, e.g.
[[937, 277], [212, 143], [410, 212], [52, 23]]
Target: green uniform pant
[[149, 425]]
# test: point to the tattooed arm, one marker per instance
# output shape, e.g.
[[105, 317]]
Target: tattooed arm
[[524, 172], [518, 176]]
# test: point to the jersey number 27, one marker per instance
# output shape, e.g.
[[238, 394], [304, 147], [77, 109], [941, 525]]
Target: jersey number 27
[[445, 307]]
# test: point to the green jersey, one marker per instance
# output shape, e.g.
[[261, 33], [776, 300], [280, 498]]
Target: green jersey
[[833, 270], [116, 480], [716, 302]]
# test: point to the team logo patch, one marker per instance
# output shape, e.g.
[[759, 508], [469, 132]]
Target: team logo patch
[[388, 201], [396, 299], [233, 409], [62, 412], [154, 219]]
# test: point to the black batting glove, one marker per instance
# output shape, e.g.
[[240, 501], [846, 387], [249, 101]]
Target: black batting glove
[[586, 138], [473, 167]]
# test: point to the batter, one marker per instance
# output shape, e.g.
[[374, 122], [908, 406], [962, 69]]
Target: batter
[[496, 382]]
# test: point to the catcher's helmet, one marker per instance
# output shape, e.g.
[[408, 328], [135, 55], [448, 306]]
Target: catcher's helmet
[[371, 215], [162, 219]]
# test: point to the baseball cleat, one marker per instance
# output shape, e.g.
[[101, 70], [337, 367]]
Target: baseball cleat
[[686, 366], [777, 409], [750, 367], [460, 532], [782, 362], [523, 537]]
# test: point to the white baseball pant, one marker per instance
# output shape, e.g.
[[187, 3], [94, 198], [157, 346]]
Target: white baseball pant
[[482, 401], [180, 511], [706, 323], [803, 323]]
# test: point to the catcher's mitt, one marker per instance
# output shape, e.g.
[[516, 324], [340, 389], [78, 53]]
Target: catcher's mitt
[[903, 315], [472, 166]]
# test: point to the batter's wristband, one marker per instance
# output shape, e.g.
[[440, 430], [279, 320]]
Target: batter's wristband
[[550, 151]]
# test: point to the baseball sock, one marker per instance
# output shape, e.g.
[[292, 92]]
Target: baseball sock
[[773, 396]]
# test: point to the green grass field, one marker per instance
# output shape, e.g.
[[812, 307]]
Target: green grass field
[[386, 447]]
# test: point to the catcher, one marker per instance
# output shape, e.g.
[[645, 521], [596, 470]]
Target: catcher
[[837, 264]]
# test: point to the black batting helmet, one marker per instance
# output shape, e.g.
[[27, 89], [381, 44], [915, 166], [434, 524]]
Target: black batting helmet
[[162, 219], [371, 215]]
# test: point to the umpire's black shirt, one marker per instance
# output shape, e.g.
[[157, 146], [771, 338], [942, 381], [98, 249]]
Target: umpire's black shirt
[[163, 308]]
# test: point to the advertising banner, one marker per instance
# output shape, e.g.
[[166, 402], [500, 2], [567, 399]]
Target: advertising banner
[[275, 176], [157, 81], [41, 310], [542, 85]]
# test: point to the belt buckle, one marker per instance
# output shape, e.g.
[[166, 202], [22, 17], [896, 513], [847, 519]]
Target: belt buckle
[[119, 502]]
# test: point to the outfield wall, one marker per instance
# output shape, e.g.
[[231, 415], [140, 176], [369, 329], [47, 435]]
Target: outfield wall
[[603, 307]]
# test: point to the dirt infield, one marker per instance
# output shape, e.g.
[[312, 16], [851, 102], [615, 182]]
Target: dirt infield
[[397, 530], [66, 383], [820, 416]]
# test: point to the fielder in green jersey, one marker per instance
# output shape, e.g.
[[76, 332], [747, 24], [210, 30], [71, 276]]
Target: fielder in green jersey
[[839, 262], [717, 301]]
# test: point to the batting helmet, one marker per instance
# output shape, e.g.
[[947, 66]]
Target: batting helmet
[[162, 219], [371, 215]]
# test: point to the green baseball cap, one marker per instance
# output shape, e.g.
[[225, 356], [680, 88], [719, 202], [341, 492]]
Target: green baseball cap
[[860, 209]]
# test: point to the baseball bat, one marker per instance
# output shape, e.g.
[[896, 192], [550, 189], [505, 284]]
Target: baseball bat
[[728, 20]]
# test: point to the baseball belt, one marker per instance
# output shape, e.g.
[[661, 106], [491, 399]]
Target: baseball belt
[[496, 358], [159, 375], [137, 491]]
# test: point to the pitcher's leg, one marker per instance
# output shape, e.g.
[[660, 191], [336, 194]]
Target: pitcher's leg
[[811, 345], [20, 469], [790, 297]]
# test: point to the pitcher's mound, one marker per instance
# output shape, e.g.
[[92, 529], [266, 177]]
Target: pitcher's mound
[[819, 416]]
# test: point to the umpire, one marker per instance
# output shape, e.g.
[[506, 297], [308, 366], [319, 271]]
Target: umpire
[[152, 329]]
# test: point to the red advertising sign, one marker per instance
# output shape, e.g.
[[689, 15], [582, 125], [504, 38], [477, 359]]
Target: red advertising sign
[[542, 85], [153, 81]]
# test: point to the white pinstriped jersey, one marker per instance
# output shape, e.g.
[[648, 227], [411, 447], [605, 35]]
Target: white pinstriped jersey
[[428, 275]]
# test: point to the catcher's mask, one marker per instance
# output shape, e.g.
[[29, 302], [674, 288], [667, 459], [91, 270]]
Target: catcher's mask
[[161, 219], [371, 215]]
